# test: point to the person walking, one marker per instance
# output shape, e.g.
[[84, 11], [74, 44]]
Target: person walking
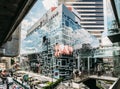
[[4, 76], [99, 69]]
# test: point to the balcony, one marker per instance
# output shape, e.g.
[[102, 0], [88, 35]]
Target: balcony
[[114, 34]]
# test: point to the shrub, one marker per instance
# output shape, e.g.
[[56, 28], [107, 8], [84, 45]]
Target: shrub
[[52, 85]]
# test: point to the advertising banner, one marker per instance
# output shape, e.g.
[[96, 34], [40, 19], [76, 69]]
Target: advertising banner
[[56, 74]]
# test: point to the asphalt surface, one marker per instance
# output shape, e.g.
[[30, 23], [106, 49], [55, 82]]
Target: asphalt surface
[[13, 86]]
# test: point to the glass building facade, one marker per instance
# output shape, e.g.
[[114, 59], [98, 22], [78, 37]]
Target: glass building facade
[[59, 25], [92, 14], [117, 4]]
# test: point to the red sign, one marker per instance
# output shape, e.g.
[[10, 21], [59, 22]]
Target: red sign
[[53, 8], [63, 49], [70, 8]]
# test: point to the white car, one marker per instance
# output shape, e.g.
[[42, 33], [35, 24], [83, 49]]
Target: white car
[[3, 86], [10, 80]]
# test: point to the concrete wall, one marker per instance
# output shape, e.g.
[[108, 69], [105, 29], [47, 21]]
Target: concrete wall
[[12, 47], [116, 85]]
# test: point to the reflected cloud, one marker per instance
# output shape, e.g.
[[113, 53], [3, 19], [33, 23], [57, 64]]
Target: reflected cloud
[[50, 3]]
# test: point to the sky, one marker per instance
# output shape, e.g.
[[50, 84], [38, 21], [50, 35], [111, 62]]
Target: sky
[[34, 14], [108, 19], [37, 11], [40, 8]]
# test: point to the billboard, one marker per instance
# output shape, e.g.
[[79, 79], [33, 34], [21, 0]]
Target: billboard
[[61, 49], [56, 74]]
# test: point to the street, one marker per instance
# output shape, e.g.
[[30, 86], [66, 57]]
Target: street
[[13, 86]]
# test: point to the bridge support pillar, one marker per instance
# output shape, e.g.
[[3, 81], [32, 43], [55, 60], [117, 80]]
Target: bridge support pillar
[[91, 83], [88, 65]]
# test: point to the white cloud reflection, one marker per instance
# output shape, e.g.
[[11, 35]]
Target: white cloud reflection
[[50, 3]]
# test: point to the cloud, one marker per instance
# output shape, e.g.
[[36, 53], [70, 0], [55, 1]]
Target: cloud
[[106, 41], [50, 3], [31, 18], [28, 41], [27, 23], [34, 15]]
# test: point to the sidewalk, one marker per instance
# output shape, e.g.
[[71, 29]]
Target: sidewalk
[[38, 76], [35, 80]]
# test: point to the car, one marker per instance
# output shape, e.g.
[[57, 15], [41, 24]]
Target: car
[[3, 86]]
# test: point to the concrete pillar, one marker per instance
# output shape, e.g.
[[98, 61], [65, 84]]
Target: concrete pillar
[[95, 66], [95, 60], [78, 62], [88, 65]]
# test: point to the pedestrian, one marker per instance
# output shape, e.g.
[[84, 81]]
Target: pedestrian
[[0, 73], [4, 76], [70, 83], [99, 69], [9, 82], [14, 87]]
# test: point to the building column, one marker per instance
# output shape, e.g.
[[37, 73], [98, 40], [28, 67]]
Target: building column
[[78, 62], [95, 60], [88, 65]]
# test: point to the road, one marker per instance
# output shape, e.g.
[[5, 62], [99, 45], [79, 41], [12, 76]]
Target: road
[[13, 86]]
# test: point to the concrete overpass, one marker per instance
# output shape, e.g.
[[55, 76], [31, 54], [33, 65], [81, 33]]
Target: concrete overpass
[[90, 81], [12, 13]]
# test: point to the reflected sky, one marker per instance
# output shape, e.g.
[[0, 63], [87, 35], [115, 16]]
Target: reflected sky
[[61, 29], [117, 3], [40, 8]]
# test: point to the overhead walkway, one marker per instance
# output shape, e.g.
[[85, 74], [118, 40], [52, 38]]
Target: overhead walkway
[[107, 52], [107, 78], [12, 13], [91, 80]]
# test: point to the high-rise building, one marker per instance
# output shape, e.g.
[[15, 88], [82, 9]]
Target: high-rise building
[[53, 39], [92, 14]]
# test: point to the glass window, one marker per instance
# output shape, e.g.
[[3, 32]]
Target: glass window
[[63, 62], [88, 8], [92, 16], [66, 23], [117, 3], [87, 4]]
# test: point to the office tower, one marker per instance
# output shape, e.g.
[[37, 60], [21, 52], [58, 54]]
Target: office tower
[[92, 15]]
